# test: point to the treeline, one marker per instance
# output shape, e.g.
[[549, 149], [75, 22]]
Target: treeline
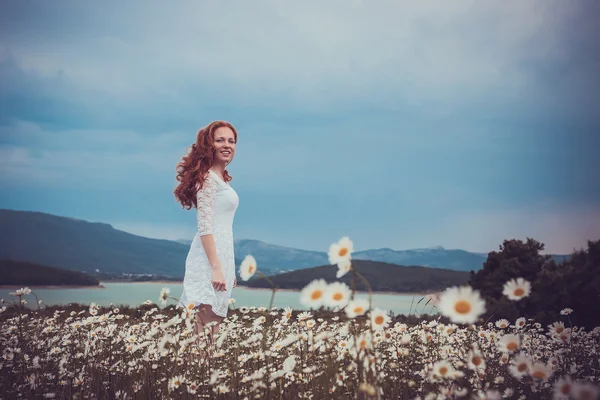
[[381, 276], [573, 283], [23, 273]]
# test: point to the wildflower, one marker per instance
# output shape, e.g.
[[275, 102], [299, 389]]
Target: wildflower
[[313, 294], [379, 319], [343, 267], [520, 322], [248, 267], [520, 366], [516, 289], [540, 371], [475, 360], [585, 391], [176, 382], [566, 311], [461, 304], [337, 294], [509, 343], [164, 295], [563, 388], [501, 323], [356, 307], [341, 251]]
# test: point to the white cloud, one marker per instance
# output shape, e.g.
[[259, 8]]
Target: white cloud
[[312, 52]]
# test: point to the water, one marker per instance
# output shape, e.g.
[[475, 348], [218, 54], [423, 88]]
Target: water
[[134, 294]]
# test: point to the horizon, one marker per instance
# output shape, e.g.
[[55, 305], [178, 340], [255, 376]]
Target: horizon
[[434, 247], [401, 125]]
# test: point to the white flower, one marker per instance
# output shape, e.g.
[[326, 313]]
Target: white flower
[[566, 311], [379, 319], [540, 371], [516, 289], [509, 343], [343, 268], [313, 294], [248, 267], [502, 323], [461, 304], [357, 307], [341, 251], [289, 363], [337, 294], [164, 295]]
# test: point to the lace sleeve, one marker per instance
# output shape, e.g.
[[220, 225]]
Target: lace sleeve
[[206, 198]]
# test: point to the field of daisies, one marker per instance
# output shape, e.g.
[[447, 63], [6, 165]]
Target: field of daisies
[[339, 347]]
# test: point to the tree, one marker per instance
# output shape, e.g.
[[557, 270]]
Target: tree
[[574, 283]]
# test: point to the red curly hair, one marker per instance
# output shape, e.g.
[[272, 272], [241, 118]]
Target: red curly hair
[[192, 169]]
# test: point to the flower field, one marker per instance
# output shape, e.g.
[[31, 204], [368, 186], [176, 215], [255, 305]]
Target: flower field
[[339, 348]]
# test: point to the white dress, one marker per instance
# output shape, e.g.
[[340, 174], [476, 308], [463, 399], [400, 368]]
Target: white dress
[[217, 203]]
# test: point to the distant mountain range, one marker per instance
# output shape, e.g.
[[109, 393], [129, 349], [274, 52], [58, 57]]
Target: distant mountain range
[[94, 247]]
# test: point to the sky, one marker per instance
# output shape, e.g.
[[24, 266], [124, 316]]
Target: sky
[[400, 124]]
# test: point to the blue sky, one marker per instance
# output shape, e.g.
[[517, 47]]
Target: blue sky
[[400, 124]]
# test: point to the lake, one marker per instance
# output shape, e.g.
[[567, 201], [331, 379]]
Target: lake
[[134, 294]]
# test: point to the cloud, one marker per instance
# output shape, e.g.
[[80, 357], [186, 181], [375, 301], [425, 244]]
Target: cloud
[[318, 57]]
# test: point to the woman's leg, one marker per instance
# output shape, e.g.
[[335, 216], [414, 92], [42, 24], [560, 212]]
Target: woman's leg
[[204, 316]]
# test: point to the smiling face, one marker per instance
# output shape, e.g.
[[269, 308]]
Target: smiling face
[[224, 145]]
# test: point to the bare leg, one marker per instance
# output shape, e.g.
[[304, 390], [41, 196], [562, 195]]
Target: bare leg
[[204, 316]]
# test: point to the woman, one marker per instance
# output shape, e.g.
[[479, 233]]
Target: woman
[[210, 263]]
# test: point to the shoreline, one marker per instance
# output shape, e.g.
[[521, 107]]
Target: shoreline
[[299, 290], [44, 287]]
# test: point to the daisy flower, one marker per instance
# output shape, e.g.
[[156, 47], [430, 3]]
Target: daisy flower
[[502, 323], [563, 388], [509, 343], [341, 251], [357, 307], [337, 294], [164, 295], [379, 319], [248, 267], [313, 294], [343, 268], [476, 360], [585, 390], [516, 289], [461, 304], [539, 371]]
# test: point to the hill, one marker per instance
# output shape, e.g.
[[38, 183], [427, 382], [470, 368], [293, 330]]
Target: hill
[[381, 276], [13, 273], [99, 249]]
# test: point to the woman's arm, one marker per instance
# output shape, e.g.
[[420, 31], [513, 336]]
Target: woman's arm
[[206, 200]]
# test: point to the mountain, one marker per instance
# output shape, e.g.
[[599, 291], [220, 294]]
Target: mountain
[[80, 245], [28, 274], [436, 257], [381, 276]]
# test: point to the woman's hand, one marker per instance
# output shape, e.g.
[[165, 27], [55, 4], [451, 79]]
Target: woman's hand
[[218, 280]]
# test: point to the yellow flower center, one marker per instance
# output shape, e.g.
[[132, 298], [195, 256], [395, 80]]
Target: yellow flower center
[[462, 307], [316, 294], [379, 320], [343, 251], [476, 360], [522, 367], [519, 292], [512, 346], [338, 296], [538, 375], [443, 371], [565, 389], [251, 269], [358, 310]]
